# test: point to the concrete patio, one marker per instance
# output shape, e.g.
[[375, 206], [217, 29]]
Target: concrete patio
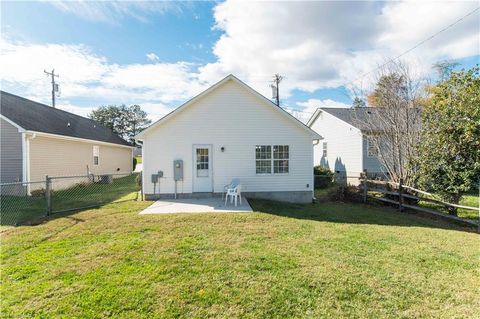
[[195, 205]]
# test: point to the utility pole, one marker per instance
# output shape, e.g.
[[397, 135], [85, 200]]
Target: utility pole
[[54, 85], [277, 78]]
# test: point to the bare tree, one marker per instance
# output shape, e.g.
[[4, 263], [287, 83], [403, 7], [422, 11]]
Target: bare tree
[[393, 125]]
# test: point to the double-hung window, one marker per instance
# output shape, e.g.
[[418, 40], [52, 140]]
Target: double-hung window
[[324, 150], [268, 157], [263, 159], [372, 148], [96, 154], [280, 159]]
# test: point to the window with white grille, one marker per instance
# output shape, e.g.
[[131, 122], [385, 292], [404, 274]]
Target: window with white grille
[[96, 154], [268, 157], [372, 148]]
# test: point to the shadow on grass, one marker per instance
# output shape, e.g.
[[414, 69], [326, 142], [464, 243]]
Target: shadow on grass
[[351, 213], [31, 210]]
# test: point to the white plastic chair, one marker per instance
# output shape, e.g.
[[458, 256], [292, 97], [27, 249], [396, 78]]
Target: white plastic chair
[[233, 184], [234, 193]]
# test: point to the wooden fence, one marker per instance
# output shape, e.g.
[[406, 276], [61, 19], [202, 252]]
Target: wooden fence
[[406, 197]]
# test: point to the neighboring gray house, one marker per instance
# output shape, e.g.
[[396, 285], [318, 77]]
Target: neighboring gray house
[[38, 140], [345, 148]]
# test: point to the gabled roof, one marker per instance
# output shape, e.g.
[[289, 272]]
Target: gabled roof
[[362, 118], [37, 117], [231, 77], [356, 117]]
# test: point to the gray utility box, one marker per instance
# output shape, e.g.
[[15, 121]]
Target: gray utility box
[[177, 170], [105, 179], [154, 178]]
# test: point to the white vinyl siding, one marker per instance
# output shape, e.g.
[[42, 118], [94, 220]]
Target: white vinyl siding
[[75, 157], [234, 118], [344, 142]]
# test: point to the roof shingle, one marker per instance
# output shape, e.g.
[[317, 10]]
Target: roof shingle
[[34, 116]]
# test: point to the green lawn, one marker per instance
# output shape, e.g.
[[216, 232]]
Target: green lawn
[[20, 209], [467, 200], [472, 201], [283, 261], [139, 159]]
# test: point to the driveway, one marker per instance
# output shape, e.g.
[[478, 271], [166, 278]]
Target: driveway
[[195, 205]]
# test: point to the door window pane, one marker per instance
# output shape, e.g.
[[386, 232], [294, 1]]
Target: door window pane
[[202, 162]]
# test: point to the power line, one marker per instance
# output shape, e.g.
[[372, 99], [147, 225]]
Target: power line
[[390, 60], [413, 48], [418, 44]]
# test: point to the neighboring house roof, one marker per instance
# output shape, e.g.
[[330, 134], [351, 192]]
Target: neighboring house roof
[[360, 117], [37, 117], [356, 117], [217, 85]]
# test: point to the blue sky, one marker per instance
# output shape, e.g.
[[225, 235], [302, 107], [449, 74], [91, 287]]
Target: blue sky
[[172, 36], [159, 54]]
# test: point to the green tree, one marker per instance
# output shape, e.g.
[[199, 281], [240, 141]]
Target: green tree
[[137, 120], [444, 68], [391, 86], [126, 121], [450, 147], [358, 102]]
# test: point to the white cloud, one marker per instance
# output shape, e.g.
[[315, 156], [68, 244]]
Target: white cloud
[[306, 108], [314, 44], [114, 10], [327, 44], [152, 57], [84, 75]]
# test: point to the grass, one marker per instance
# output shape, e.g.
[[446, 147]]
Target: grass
[[283, 261], [20, 209], [472, 201], [467, 200]]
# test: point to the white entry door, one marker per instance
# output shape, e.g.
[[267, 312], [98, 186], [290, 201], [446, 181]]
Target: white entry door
[[202, 170]]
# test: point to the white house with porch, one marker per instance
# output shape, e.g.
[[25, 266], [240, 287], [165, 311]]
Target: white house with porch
[[228, 131]]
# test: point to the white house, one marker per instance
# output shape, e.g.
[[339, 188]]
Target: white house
[[345, 147], [229, 131]]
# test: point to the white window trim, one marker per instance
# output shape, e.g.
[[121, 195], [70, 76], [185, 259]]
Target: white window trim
[[325, 149], [264, 160], [97, 152], [272, 160]]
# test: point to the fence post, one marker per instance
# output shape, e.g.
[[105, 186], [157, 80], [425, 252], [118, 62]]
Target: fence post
[[48, 197], [365, 189], [400, 194]]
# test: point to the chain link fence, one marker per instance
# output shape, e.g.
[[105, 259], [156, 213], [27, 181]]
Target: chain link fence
[[25, 202]]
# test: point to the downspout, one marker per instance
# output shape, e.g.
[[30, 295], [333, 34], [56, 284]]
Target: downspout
[[27, 163], [142, 191], [315, 142]]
